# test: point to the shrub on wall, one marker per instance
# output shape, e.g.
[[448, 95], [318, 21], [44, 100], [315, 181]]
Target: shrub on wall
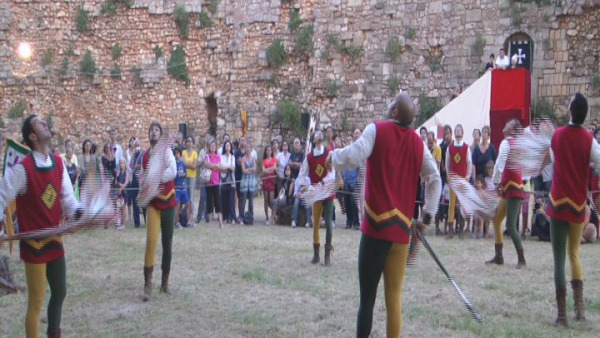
[[478, 45], [88, 65], [394, 48], [304, 40], [427, 107], [83, 19], [276, 54], [115, 73], [204, 21], [288, 116], [137, 74], [177, 66], [213, 6], [158, 52], [117, 51], [410, 33], [47, 57], [18, 110], [295, 20], [332, 87], [595, 82], [182, 19], [393, 83]]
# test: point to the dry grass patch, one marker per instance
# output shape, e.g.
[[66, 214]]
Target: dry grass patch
[[257, 282]]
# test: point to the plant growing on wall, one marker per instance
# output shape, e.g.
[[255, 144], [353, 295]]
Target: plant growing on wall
[[427, 107], [47, 57], [393, 83], [213, 6], [18, 110], [276, 54], [304, 40], [50, 119], [595, 82], [434, 63], [158, 52], [115, 73], [88, 65], [64, 66], [332, 87], [182, 19], [394, 48], [137, 74], [204, 21], [177, 66], [542, 108], [288, 116], [110, 7], [478, 45], [410, 33], [83, 19], [295, 20], [117, 51]]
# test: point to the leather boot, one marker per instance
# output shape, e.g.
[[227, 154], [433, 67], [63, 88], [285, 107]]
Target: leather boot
[[164, 283], [577, 286], [54, 333], [147, 283], [450, 234], [498, 259], [316, 259], [521, 262], [461, 230], [328, 249], [561, 305]]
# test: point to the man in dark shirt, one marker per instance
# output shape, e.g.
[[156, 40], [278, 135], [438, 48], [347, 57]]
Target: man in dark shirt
[[444, 145], [296, 158], [239, 154]]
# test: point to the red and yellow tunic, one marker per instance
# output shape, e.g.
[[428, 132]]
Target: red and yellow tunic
[[571, 173], [392, 173], [458, 159], [317, 170], [512, 176], [40, 208], [166, 198]]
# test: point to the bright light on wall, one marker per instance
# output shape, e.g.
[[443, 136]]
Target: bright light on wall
[[24, 51]]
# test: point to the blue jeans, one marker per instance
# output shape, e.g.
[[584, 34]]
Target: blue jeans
[[136, 209], [308, 209], [202, 204]]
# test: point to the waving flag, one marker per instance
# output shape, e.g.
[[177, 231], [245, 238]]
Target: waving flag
[[15, 153]]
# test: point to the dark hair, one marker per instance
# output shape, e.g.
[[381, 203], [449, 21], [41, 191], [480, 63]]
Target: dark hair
[[596, 131], [230, 147], [93, 148], [176, 150], [421, 129], [190, 137], [155, 124], [447, 127], [578, 108], [83, 145], [265, 151], [27, 130], [502, 49], [285, 168], [481, 178], [477, 130], [492, 55]]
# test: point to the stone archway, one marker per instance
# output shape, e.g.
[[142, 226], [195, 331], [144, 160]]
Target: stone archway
[[520, 44], [212, 110]]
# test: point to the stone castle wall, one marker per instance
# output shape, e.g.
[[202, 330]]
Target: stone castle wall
[[228, 59]]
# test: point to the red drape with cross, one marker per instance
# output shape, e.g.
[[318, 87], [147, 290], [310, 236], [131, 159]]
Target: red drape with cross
[[510, 98]]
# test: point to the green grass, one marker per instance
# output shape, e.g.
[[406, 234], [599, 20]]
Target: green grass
[[256, 281]]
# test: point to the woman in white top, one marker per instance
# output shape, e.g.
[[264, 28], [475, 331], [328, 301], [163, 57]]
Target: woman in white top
[[228, 183], [283, 157]]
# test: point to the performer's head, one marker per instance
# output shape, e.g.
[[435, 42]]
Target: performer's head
[[402, 109], [318, 137], [458, 132], [578, 109], [511, 128], [36, 133], [154, 133]]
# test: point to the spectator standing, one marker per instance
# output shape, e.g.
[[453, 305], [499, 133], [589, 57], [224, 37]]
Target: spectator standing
[[213, 194], [239, 155], [296, 158], [268, 184], [181, 194], [502, 61], [282, 161], [227, 183], [190, 158], [248, 186]]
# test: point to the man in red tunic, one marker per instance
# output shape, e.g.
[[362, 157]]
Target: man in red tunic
[[44, 195], [396, 156], [458, 163], [573, 148], [315, 168]]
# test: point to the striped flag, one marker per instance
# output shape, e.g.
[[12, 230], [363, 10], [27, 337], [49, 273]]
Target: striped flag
[[15, 152]]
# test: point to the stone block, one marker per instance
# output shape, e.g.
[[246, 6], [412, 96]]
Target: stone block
[[435, 7], [354, 3], [474, 15]]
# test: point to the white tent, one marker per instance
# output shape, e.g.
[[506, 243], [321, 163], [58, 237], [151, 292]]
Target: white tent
[[471, 109]]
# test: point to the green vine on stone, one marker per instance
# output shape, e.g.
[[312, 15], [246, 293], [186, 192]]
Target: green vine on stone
[[182, 19], [276, 54], [177, 66]]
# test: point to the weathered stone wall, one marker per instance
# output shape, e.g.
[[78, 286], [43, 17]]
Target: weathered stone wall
[[228, 59]]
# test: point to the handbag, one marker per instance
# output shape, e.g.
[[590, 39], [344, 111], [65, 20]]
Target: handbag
[[205, 174]]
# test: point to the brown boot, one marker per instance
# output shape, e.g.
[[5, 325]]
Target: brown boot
[[561, 305], [316, 259], [450, 234], [147, 283], [521, 262], [328, 249], [461, 230], [54, 333], [164, 283], [577, 286], [498, 259]]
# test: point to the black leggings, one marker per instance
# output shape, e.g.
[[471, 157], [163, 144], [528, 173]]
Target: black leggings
[[213, 199]]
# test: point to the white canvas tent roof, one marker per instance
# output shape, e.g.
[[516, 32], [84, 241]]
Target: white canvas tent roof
[[471, 109]]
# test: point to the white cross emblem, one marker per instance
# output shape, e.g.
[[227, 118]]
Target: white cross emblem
[[521, 56]]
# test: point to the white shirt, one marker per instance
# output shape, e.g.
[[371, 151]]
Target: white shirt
[[502, 63], [228, 163], [357, 153], [501, 160], [282, 161], [171, 171], [469, 163], [15, 184]]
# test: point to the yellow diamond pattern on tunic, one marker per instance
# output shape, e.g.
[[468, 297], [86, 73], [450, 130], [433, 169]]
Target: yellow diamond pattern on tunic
[[319, 170], [457, 158], [49, 196]]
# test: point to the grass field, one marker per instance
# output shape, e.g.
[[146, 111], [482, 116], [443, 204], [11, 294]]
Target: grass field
[[256, 281]]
